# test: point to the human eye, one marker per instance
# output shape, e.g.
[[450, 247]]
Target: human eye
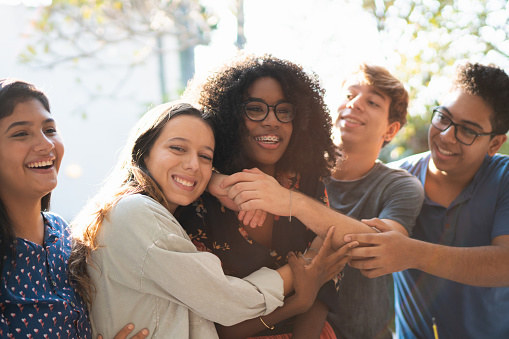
[[441, 118], [373, 103], [254, 107], [50, 130], [467, 131], [177, 148], [19, 134], [206, 157]]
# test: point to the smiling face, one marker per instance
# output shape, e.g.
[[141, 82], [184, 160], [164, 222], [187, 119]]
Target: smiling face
[[267, 140], [180, 160], [31, 151], [363, 117], [450, 156]]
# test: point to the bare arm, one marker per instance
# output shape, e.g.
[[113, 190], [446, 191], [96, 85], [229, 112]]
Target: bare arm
[[307, 278], [253, 189], [391, 252], [310, 324]]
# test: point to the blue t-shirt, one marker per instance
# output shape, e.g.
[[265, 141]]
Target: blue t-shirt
[[36, 298], [479, 214]]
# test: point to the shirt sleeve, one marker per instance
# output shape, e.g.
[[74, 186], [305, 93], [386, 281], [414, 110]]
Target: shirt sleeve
[[402, 201], [155, 256]]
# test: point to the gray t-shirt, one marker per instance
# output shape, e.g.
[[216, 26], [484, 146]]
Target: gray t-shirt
[[365, 307]]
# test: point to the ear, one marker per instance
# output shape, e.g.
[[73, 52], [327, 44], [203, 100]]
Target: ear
[[495, 143], [391, 131]]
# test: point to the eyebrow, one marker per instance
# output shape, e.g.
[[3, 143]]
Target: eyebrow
[[372, 90], [26, 123], [468, 122]]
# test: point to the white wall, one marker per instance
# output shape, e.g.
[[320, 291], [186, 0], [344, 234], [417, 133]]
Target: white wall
[[91, 143]]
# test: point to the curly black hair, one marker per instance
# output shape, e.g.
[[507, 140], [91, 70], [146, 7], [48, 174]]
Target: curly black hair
[[310, 152], [492, 85]]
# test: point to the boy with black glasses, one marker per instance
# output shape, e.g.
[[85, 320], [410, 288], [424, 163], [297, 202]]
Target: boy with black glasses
[[452, 274]]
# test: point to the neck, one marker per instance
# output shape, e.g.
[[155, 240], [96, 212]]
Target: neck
[[354, 164], [26, 219], [446, 179]]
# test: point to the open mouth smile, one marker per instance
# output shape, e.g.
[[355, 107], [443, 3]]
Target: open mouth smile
[[41, 164]]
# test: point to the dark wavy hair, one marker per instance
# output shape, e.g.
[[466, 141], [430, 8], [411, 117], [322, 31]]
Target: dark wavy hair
[[310, 152], [13, 92], [492, 85]]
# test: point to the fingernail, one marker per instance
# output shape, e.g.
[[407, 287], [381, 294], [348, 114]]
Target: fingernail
[[130, 326], [144, 331], [348, 238]]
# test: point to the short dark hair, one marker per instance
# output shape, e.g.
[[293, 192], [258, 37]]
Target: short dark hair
[[491, 84]]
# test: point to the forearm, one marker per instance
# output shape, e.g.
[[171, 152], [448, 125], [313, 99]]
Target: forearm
[[286, 274], [250, 327], [486, 266], [310, 324], [319, 218]]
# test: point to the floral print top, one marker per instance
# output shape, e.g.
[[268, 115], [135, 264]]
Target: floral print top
[[216, 229], [36, 297]]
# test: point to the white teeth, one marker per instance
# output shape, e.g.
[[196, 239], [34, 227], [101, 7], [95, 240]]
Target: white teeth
[[269, 139], [40, 164], [353, 121], [445, 152], [184, 182]]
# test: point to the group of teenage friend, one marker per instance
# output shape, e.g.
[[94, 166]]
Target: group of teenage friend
[[242, 210]]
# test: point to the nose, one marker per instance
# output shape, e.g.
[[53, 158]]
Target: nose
[[271, 119], [191, 162], [448, 134], [354, 102], [43, 143]]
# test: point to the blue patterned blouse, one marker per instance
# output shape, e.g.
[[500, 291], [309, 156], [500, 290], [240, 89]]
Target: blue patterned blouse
[[36, 298]]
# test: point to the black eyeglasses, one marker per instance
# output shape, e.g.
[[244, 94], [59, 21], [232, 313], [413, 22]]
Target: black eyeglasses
[[258, 110], [463, 134]]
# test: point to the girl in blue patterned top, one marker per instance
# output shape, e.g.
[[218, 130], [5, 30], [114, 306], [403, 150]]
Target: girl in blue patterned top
[[37, 299]]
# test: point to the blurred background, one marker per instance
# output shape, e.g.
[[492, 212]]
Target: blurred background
[[104, 63]]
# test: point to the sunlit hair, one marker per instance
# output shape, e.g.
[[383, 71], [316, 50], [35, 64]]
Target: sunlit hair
[[382, 80], [130, 176], [12, 93], [310, 151], [492, 85]]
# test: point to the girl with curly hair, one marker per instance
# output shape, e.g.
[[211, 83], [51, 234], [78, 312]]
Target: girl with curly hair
[[268, 114]]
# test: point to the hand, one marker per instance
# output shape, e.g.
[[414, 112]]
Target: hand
[[380, 253], [219, 191], [253, 218], [309, 277], [122, 334], [252, 189]]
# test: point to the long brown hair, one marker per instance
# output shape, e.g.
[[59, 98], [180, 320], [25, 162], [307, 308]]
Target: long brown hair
[[129, 177], [13, 92]]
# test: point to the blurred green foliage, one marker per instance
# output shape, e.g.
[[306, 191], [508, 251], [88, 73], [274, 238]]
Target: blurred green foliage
[[427, 38]]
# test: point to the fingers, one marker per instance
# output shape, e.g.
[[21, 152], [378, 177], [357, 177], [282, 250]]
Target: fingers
[[363, 238], [238, 177], [378, 224], [296, 264], [246, 216], [258, 218], [141, 334], [124, 332]]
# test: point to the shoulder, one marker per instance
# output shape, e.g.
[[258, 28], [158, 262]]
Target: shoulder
[[56, 222], [398, 179], [141, 213], [412, 163]]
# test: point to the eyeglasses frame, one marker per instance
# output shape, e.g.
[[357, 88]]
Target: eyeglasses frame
[[245, 103], [452, 123]]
